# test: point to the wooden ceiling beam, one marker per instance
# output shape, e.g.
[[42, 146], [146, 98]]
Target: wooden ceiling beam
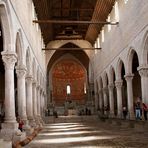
[[74, 22], [71, 48], [74, 9]]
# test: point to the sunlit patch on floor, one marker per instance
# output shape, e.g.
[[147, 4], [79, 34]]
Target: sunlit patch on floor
[[68, 133], [69, 139], [65, 126], [70, 123], [69, 129]]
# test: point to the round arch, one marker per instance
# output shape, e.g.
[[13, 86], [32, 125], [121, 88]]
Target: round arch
[[119, 69], [144, 55], [61, 43], [28, 61], [34, 69], [111, 74], [105, 79], [38, 75], [68, 72], [130, 59], [6, 23], [19, 48]]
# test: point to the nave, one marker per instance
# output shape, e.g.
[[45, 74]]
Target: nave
[[88, 132]]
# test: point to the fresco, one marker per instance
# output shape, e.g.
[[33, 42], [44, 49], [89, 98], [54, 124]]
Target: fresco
[[68, 72]]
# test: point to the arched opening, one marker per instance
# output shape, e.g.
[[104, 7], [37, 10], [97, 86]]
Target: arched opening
[[16, 94], [115, 93], [124, 87], [136, 79], [2, 78], [82, 60], [97, 103], [68, 89], [145, 51], [101, 95], [18, 63], [107, 92], [68, 81], [28, 62]]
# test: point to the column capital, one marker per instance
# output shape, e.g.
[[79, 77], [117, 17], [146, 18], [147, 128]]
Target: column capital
[[34, 82], [100, 90], [143, 70], [129, 76], [9, 58], [111, 86], [29, 78], [119, 83], [105, 89], [21, 71], [38, 85]]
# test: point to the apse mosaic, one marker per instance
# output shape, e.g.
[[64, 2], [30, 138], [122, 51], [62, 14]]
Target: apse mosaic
[[70, 73]]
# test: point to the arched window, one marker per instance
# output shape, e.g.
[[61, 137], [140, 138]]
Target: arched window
[[116, 11], [102, 33], [84, 88], [125, 1], [68, 89]]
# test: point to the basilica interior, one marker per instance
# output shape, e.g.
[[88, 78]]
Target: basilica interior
[[73, 73]]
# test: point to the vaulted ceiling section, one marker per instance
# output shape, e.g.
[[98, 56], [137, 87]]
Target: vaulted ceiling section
[[72, 10]]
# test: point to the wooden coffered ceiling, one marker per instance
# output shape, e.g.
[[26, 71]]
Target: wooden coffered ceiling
[[72, 10]]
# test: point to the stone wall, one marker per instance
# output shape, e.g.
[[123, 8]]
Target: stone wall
[[129, 34], [22, 14]]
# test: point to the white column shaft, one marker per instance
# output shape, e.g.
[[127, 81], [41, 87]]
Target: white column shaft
[[119, 97], [9, 60], [130, 95], [21, 92], [143, 71], [29, 98], [111, 98], [34, 100]]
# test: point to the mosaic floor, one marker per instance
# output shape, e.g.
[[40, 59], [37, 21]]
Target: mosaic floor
[[91, 134]]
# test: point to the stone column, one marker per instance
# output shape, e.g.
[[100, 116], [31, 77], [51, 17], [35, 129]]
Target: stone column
[[39, 102], [10, 125], [29, 99], [40, 109], [96, 101], [143, 71], [119, 84], [42, 105], [38, 105], [129, 78], [111, 99], [100, 100], [105, 96], [35, 99], [21, 91]]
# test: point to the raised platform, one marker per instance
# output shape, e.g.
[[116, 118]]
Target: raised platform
[[70, 118]]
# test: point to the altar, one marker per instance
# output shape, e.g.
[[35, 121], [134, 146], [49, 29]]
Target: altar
[[72, 112]]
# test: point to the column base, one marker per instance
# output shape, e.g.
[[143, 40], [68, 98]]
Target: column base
[[32, 122], [111, 115], [5, 144], [10, 132], [119, 115], [40, 121], [131, 116], [27, 128]]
